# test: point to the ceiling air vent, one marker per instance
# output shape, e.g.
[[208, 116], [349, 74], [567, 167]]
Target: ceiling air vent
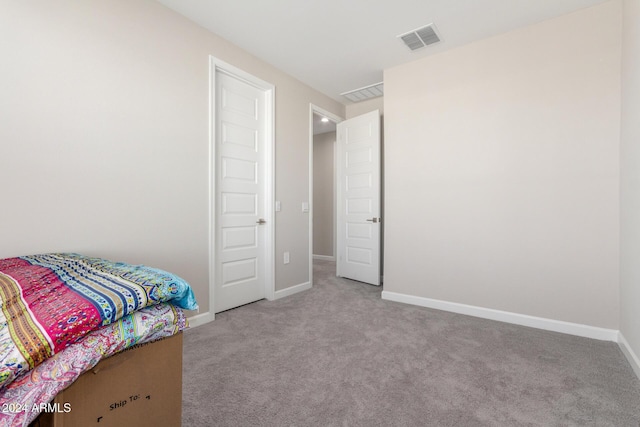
[[420, 37], [363, 93]]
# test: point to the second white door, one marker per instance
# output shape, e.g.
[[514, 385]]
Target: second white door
[[358, 198]]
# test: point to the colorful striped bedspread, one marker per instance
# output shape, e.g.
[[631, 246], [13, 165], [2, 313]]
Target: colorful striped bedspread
[[50, 301], [20, 401]]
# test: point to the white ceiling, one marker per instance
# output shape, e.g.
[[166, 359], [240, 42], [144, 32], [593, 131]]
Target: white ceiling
[[339, 45]]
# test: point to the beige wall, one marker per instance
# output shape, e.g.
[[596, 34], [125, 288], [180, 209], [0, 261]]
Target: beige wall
[[323, 194], [363, 107], [502, 171], [104, 136], [630, 177]]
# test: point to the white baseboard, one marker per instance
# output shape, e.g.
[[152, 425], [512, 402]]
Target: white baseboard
[[324, 257], [200, 319], [508, 317], [292, 290], [633, 359]]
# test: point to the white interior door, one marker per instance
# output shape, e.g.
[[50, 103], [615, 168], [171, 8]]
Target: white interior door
[[358, 198], [240, 202]]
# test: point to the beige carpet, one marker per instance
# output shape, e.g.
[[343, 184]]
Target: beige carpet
[[338, 355]]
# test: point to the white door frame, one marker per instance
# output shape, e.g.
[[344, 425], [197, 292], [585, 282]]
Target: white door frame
[[215, 65], [337, 119]]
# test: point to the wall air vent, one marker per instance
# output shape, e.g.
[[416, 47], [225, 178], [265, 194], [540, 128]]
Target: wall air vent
[[421, 37], [364, 93]]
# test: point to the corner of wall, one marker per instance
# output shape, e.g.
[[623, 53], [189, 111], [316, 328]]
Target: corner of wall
[[628, 352]]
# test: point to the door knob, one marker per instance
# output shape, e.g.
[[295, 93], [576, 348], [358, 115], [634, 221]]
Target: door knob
[[261, 221], [374, 220]]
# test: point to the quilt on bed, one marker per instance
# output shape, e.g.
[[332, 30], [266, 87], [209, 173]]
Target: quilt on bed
[[43, 383], [50, 301]]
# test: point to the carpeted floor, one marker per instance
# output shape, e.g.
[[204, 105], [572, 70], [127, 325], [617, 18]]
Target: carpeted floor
[[338, 355]]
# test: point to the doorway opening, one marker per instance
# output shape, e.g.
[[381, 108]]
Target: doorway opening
[[322, 185]]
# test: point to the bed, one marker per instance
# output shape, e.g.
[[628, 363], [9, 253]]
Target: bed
[[62, 313]]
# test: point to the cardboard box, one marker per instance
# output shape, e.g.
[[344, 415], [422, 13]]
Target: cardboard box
[[141, 386]]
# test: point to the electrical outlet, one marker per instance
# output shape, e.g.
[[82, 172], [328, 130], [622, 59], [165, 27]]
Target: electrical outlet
[[286, 257]]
